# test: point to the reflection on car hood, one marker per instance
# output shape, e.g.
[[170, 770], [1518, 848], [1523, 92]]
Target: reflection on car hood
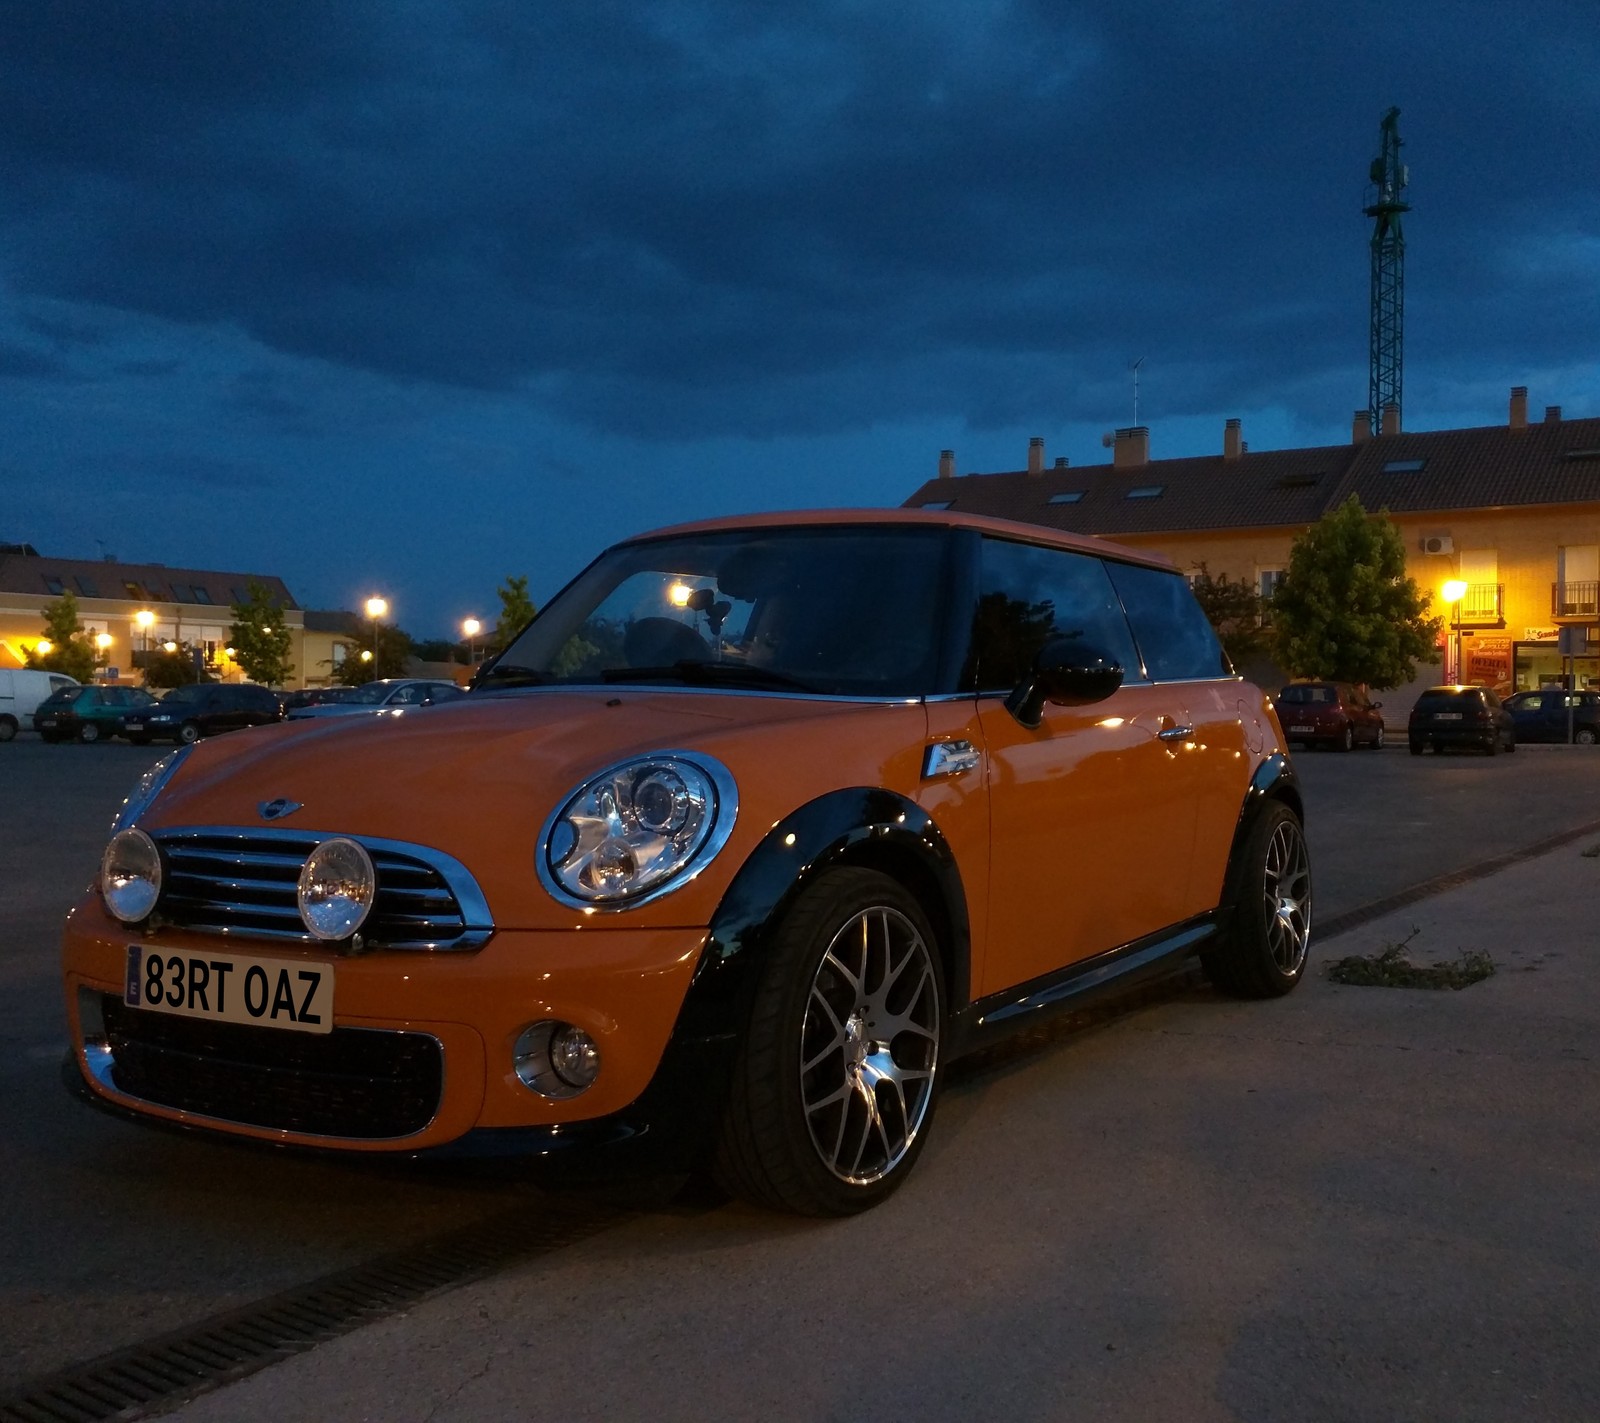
[[478, 777]]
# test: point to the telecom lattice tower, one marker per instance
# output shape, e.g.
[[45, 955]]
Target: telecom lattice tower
[[1388, 177]]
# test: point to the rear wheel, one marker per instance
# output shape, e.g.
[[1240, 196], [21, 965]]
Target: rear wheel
[[835, 1084], [1584, 736], [188, 733], [1262, 951], [1347, 738], [89, 731], [8, 727], [1493, 747], [1415, 747]]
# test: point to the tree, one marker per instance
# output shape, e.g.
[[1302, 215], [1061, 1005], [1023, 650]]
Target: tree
[[516, 612], [394, 647], [1233, 608], [260, 641], [177, 668], [70, 652], [1346, 611]]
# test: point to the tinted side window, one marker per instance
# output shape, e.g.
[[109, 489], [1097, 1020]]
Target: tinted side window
[[1028, 595], [1177, 642]]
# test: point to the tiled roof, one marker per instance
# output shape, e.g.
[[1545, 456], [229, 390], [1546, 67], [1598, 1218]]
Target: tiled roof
[[135, 582], [335, 620], [1554, 462]]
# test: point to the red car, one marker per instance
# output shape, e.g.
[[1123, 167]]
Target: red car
[[1330, 714]]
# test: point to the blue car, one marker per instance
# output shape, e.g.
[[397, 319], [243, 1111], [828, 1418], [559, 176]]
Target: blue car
[[1552, 714]]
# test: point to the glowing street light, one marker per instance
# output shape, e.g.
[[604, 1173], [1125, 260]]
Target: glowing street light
[[169, 647], [146, 620], [376, 608], [103, 641], [44, 647], [470, 628], [1453, 592]]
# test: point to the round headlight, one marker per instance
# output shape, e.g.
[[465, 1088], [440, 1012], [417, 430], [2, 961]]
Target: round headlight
[[130, 875], [337, 887], [637, 829]]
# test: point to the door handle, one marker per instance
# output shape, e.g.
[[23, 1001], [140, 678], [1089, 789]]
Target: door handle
[[1175, 733]]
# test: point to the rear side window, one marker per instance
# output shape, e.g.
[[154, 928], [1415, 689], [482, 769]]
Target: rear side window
[[1178, 643], [1306, 696], [1028, 595]]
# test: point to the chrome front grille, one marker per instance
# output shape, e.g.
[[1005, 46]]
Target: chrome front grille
[[243, 881]]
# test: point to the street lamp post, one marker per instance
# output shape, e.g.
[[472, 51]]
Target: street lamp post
[[376, 608], [1454, 591], [471, 627], [146, 619]]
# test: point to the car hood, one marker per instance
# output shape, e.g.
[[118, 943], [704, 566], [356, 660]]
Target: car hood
[[478, 778]]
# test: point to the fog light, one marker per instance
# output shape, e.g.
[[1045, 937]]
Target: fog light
[[556, 1059], [337, 887]]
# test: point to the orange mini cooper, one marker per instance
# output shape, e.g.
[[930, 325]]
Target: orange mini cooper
[[755, 828]]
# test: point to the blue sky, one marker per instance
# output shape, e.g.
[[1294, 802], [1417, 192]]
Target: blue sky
[[409, 297]]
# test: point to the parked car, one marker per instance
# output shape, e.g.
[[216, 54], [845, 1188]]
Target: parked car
[[389, 694], [87, 713], [21, 691], [1461, 716], [203, 709], [1556, 715], [1330, 714], [753, 830], [312, 697]]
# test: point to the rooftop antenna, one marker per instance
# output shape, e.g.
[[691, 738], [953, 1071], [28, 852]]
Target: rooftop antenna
[[1135, 369]]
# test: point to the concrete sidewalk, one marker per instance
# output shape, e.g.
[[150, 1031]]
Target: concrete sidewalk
[[1354, 1203]]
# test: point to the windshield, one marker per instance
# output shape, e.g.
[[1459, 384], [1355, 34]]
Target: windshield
[[849, 610], [190, 693], [370, 694]]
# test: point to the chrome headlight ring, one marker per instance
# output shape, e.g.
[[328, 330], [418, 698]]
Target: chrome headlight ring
[[637, 830]]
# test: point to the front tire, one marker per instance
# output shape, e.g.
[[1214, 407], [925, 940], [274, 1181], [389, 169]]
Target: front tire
[[8, 727], [1415, 747], [1262, 952], [89, 732], [837, 1076], [1583, 736], [1347, 738], [1377, 739]]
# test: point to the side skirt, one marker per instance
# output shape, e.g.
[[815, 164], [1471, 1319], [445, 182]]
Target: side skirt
[[992, 1018]]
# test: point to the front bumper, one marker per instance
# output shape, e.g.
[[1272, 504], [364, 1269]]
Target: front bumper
[[625, 987]]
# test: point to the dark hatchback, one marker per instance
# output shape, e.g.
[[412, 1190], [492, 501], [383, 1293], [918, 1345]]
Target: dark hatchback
[[1471, 717], [87, 713], [1554, 715], [1330, 714], [203, 709]]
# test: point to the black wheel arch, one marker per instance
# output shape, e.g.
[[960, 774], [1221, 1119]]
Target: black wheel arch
[[1274, 781]]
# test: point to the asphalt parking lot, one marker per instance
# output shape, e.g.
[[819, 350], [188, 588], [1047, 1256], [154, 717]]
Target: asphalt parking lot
[[1353, 1203]]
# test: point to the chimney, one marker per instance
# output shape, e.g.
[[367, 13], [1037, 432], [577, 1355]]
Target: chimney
[[947, 464], [1232, 441], [1061, 461], [1130, 447], [1391, 420], [1552, 415], [1519, 407], [1361, 427], [1036, 455]]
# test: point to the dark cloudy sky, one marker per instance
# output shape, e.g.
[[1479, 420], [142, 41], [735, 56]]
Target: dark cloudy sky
[[410, 295]]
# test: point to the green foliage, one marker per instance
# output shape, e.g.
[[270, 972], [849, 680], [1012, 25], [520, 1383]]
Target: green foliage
[[439, 649], [259, 638], [394, 649], [516, 612], [171, 669], [1346, 611], [71, 652], [1233, 607], [1392, 969]]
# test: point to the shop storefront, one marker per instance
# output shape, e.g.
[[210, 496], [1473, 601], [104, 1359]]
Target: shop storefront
[[1537, 661]]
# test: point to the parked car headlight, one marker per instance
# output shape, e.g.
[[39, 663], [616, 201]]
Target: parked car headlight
[[148, 788], [130, 875], [637, 830]]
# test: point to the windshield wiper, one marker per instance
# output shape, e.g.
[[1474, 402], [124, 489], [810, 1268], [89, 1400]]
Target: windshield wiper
[[502, 675], [731, 674]]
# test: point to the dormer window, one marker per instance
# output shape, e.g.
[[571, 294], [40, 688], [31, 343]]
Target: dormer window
[[1145, 491], [1405, 466], [1067, 496]]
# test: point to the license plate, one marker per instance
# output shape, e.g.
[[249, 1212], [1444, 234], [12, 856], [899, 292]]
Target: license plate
[[47, 721], [231, 988], [1449, 716], [1302, 730]]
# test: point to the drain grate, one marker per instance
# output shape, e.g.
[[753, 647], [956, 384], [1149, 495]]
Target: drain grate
[[149, 1378]]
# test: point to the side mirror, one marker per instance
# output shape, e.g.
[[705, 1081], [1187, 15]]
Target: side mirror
[[1066, 673]]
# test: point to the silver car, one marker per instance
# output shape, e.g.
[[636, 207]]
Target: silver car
[[388, 694]]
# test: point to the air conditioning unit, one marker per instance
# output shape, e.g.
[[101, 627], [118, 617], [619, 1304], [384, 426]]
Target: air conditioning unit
[[1438, 543]]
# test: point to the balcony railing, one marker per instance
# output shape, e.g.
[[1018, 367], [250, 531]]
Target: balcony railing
[[1483, 603], [1574, 600]]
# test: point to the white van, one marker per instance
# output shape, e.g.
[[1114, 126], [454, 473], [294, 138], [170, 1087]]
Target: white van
[[21, 691]]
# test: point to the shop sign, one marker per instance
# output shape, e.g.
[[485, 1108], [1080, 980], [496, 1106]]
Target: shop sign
[[1541, 634], [1488, 662]]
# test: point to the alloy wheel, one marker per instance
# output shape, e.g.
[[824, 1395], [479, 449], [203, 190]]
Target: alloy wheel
[[869, 1045], [1287, 897]]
